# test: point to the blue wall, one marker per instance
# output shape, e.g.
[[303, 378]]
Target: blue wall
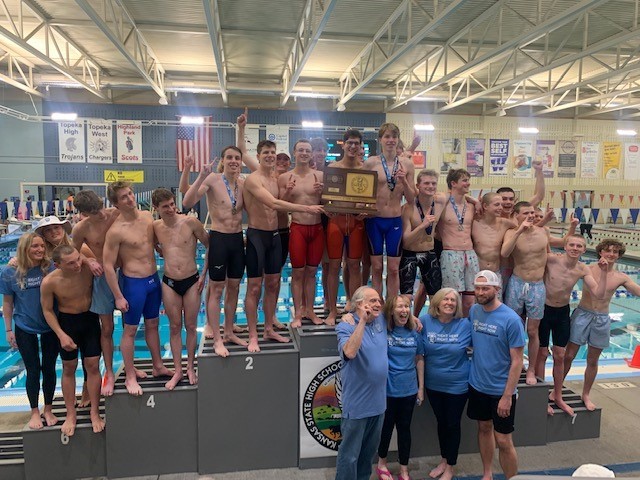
[[158, 143]]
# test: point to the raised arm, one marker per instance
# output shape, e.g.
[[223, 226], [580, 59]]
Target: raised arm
[[409, 234], [559, 242], [183, 186], [352, 345], [598, 288], [199, 187], [406, 175], [538, 191], [631, 286], [510, 240], [249, 160]]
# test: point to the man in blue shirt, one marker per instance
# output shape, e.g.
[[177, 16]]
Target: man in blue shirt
[[363, 348], [498, 343]]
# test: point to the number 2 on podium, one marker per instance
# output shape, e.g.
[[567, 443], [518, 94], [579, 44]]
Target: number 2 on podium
[[249, 365]]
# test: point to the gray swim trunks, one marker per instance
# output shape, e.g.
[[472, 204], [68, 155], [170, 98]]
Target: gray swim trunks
[[102, 300], [589, 327]]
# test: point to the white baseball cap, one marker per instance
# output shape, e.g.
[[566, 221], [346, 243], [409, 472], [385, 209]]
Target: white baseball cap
[[492, 279]]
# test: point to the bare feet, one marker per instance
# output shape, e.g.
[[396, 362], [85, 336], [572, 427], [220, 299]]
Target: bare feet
[[552, 396], [133, 387], [97, 423], [271, 335], [171, 384], [161, 372], [35, 422], [108, 381], [531, 377], [85, 401], [253, 345], [487, 477], [550, 411], [208, 331], [278, 325], [140, 374], [297, 323], [347, 307], [448, 473], [588, 403], [69, 425], [191, 375], [439, 470], [50, 418], [233, 338], [220, 349], [239, 329], [331, 319], [316, 320], [566, 408]]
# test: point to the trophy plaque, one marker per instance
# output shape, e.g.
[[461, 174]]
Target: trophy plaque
[[350, 190]]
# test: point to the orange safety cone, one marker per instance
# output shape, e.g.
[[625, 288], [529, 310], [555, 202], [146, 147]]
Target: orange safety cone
[[635, 361]]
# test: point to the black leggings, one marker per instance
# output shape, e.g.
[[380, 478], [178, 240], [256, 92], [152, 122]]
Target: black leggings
[[398, 414], [28, 347], [448, 408]]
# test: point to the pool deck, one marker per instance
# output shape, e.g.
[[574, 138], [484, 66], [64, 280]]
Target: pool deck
[[618, 446]]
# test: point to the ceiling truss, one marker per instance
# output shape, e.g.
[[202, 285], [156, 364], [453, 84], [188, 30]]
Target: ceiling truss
[[212, 14]]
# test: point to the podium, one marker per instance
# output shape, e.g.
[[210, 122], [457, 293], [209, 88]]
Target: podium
[[11, 456], [155, 433], [562, 427], [247, 407], [51, 455]]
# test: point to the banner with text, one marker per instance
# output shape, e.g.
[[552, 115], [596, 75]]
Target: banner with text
[[100, 140], [71, 140], [631, 161], [498, 156], [611, 152], [280, 135], [589, 156], [251, 137], [129, 141], [133, 176], [451, 157], [546, 153], [522, 152], [475, 156], [567, 159]]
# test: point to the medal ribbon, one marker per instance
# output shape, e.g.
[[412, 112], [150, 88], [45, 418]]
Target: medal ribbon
[[391, 177], [429, 229], [455, 209], [233, 196]]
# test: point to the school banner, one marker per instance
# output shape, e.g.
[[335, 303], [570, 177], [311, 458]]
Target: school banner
[[129, 148], [611, 152], [451, 157], [252, 137], [100, 141], [71, 141], [631, 161], [475, 156], [522, 152], [589, 155], [498, 156], [546, 153], [567, 159], [280, 135]]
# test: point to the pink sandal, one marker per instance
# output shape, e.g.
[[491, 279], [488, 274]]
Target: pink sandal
[[384, 474]]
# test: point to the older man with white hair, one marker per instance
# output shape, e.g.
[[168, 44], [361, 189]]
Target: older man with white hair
[[363, 348]]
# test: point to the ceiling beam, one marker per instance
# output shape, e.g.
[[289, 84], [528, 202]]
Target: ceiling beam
[[121, 30], [315, 16], [507, 47], [212, 15], [384, 49]]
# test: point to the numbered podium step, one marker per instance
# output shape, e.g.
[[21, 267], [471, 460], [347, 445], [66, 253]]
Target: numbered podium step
[[50, 454], [247, 407], [584, 423], [155, 433], [316, 340], [11, 456]]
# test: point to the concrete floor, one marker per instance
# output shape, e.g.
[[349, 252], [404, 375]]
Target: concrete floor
[[618, 446]]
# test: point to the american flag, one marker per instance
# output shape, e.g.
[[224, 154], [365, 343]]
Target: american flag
[[194, 140]]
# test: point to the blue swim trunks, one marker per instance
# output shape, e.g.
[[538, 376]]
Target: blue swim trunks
[[383, 231], [531, 295], [102, 300], [144, 296], [593, 328]]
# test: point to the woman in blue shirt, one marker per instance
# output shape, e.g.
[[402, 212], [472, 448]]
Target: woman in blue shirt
[[446, 337], [20, 287], [404, 382]]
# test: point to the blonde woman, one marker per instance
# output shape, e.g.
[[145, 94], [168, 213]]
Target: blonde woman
[[20, 287]]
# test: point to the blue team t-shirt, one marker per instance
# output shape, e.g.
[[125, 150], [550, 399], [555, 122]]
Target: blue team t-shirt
[[446, 363], [364, 378], [403, 345], [27, 310], [493, 334]]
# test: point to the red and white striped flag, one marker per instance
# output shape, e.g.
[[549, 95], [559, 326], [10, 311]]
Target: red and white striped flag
[[194, 140]]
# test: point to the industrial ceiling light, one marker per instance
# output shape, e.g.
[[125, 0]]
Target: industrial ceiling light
[[187, 120], [424, 127], [627, 133], [64, 117], [501, 113], [341, 107], [312, 124], [532, 130]]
